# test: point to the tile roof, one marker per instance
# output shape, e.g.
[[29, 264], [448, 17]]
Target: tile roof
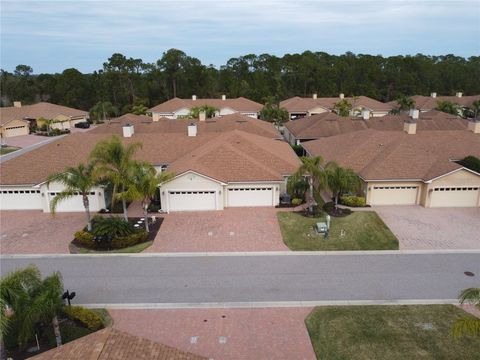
[[395, 155], [36, 111], [160, 149], [299, 104], [237, 104], [144, 124], [428, 102], [113, 344], [330, 124]]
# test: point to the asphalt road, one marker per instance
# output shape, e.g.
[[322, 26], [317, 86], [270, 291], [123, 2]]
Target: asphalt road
[[224, 279]]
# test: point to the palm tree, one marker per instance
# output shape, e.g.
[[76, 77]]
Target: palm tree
[[311, 169], [341, 180], [476, 108], [103, 110], [114, 163], [469, 326], [76, 180], [145, 182], [16, 289], [209, 111], [405, 103], [448, 107]]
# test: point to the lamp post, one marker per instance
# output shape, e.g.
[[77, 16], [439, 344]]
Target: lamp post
[[68, 296]]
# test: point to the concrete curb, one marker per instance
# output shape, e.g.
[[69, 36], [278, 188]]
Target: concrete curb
[[269, 304], [253, 253]]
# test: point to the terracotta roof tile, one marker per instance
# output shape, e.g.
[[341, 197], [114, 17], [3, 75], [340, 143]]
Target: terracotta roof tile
[[112, 344], [36, 111], [237, 104], [382, 155]]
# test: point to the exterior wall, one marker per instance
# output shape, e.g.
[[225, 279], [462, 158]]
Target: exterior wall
[[227, 111], [194, 182], [460, 178], [379, 113], [15, 128], [75, 204], [251, 114], [317, 110]]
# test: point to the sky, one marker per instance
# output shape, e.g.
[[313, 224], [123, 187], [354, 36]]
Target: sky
[[51, 36]]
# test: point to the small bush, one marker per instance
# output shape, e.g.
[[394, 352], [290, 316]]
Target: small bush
[[296, 201], [353, 201], [111, 227], [85, 239], [130, 240], [153, 207], [86, 317]]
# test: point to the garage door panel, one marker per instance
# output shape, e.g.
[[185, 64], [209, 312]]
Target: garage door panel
[[192, 200], [261, 196], [74, 203], [466, 196], [21, 199], [394, 195]]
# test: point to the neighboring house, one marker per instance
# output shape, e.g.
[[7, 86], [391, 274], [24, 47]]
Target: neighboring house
[[63, 117], [180, 108], [144, 124], [330, 124], [299, 107], [13, 127], [427, 103], [213, 170], [110, 343], [408, 168]]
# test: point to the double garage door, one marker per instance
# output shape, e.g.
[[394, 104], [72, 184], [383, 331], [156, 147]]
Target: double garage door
[[394, 195], [258, 196], [20, 199], [466, 196]]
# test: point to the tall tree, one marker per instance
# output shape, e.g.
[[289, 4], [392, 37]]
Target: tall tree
[[114, 163], [341, 180], [75, 180], [272, 112], [311, 170], [103, 110], [343, 107], [448, 107]]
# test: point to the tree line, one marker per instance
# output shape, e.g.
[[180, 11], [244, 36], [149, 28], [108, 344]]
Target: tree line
[[128, 83]]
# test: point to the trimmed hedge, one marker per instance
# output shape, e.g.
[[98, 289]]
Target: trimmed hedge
[[353, 201], [85, 239], [86, 317], [129, 240]]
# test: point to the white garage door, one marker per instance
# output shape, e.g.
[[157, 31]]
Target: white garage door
[[20, 199], [16, 131], [261, 196], [394, 195], [73, 204], [455, 197], [191, 200]]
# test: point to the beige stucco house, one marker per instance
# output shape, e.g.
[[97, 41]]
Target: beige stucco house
[[408, 168]]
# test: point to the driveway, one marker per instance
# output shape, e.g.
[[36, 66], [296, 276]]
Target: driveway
[[270, 333], [419, 228], [35, 232], [233, 229]]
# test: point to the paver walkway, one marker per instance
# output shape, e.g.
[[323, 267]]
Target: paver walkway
[[419, 228], [233, 229], [270, 333], [35, 232]]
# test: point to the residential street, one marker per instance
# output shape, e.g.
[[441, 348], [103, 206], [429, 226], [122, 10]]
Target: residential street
[[155, 279]]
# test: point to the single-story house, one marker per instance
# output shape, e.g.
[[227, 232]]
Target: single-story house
[[330, 124], [299, 107], [427, 103], [144, 124], [408, 168], [213, 170], [12, 118], [110, 343], [180, 108]]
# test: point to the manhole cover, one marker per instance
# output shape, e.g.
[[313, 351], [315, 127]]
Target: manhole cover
[[469, 273]]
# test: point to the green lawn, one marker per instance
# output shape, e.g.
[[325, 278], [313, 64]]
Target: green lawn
[[389, 332], [132, 249], [363, 230], [8, 149]]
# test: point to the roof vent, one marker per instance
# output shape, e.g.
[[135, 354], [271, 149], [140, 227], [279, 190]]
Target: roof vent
[[433, 95], [365, 114], [224, 97], [414, 114], [194, 97], [342, 96], [202, 115], [315, 96], [459, 94], [192, 130], [410, 127], [128, 130], [17, 104], [474, 126]]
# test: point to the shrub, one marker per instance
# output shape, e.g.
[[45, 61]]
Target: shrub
[[85, 239], [296, 201], [153, 207], [86, 317], [329, 206], [298, 150], [111, 227], [129, 240], [353, 201]]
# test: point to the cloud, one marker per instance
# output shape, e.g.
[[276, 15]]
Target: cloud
[[58, 31]]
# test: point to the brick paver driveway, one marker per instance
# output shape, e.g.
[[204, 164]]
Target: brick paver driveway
[[271, 333], [234, 229], [419, 228], [35, 232]]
